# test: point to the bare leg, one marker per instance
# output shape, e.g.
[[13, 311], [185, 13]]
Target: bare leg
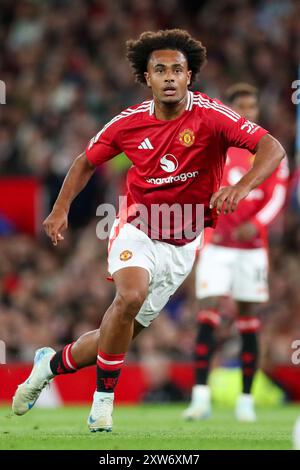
[[119, 319], [84, 351], [117, 326]]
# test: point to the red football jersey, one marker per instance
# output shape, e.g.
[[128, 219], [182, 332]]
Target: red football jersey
[[260, 207], [177, 161]]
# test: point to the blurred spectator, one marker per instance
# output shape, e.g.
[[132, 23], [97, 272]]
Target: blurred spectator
[[66, 75]]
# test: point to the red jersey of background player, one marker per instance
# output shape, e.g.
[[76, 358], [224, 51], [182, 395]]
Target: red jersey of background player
[[260, 207], [177, 161]]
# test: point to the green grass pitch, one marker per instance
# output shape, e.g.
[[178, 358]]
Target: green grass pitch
[[147, 427]]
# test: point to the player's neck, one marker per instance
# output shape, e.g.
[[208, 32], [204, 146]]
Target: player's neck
[[167, 112]]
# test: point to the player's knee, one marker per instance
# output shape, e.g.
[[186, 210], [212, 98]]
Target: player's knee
[[130, 301]]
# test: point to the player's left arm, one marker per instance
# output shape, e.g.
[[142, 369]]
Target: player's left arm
[[269, 153]]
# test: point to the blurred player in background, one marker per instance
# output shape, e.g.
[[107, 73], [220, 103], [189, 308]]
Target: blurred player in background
[[235, 262], [177, 143]]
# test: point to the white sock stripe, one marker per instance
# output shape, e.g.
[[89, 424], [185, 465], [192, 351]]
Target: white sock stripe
[[215, 317], [252, 323], [67, 358], [111, 363]]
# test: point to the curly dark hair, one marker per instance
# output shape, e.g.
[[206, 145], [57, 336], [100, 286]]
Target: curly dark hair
[[138, 51]]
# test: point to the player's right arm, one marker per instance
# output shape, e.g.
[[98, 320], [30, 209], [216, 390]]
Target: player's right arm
[[77, 177], [103, 147]]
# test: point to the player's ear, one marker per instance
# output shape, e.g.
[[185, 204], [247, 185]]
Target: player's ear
[[189, 73], [147, 78]]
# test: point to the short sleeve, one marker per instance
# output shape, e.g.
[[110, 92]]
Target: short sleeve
[[104, 145], [233, 129]]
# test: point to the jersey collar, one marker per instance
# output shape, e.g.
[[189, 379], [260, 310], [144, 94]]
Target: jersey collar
[[188, 107]]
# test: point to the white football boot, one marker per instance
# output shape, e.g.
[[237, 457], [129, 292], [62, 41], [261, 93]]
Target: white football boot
[[28, 392], [244, 408], [100, 417], [200, 406], [296, 435]]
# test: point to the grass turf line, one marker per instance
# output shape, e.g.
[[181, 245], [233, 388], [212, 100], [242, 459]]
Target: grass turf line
[[147, 427]]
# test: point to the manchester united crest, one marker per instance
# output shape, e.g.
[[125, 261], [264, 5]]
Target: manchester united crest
[[187, 137], [125, 255]]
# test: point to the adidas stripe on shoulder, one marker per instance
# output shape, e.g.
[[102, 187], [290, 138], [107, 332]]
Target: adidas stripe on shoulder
[[142, 108], [203, 102]]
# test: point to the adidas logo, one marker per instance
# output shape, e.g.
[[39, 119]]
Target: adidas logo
[[146, 144]]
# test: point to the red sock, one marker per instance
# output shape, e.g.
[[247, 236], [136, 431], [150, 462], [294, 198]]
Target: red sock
[[108, 371], [62, 362]]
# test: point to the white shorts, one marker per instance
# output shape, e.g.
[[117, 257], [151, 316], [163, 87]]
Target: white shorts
[[239, 273], [168, 265]]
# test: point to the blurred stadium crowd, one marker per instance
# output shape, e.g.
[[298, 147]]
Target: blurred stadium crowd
[[66, 75]]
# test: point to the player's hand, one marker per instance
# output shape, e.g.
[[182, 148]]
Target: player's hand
[[228, 197], [55, 224], [245, 232]]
